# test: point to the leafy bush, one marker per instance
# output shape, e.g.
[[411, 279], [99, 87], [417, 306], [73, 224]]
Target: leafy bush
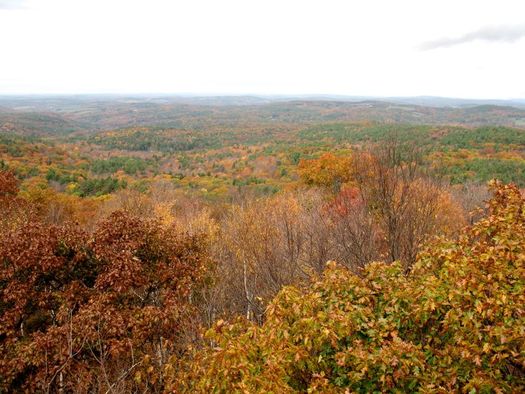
[[94, 313], [455, 323]]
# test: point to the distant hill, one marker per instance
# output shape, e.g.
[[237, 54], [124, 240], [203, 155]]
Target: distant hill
[[431, 101], [36, 123], [35, 115]]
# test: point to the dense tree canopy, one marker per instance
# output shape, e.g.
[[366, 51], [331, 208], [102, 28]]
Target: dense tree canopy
[[454, 323], [127, 230]]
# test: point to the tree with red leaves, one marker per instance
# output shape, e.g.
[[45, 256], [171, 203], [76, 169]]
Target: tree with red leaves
[[95, 312]]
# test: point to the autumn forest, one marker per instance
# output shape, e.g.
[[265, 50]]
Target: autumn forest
[[261, 245]]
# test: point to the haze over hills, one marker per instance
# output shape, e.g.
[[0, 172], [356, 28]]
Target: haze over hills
[[83, 113], [63, 102]]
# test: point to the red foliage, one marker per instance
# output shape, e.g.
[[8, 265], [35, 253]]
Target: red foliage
[[13, 210], [346, 201], [8, 184], [83, 313]]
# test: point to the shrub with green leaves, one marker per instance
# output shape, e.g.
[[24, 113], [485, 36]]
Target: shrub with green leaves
[[456, 323]]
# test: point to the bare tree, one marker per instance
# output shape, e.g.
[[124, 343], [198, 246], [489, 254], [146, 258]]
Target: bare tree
[[400, 196]]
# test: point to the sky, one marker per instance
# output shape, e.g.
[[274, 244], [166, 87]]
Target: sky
[[449, 48]]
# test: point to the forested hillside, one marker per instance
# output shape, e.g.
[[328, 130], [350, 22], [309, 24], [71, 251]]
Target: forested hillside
[[260, 245], [56, 114], [215, 151]]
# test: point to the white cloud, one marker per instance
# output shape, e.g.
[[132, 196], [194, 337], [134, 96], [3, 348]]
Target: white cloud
[[508, 34]]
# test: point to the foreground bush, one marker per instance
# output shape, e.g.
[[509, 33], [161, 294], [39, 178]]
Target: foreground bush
[[455, 323], [94, 313]]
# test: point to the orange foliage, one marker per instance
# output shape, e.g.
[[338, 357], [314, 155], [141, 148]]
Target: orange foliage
[[328, 170], [454, 324]]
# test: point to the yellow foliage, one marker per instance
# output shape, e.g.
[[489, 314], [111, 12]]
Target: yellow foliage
[[327, 171]]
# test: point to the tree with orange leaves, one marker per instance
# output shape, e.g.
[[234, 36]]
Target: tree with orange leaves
[[327, 171]]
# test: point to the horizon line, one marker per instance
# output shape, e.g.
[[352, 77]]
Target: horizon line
[[260, 95]]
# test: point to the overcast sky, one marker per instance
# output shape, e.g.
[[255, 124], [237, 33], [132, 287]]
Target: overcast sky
[[453, 48]]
